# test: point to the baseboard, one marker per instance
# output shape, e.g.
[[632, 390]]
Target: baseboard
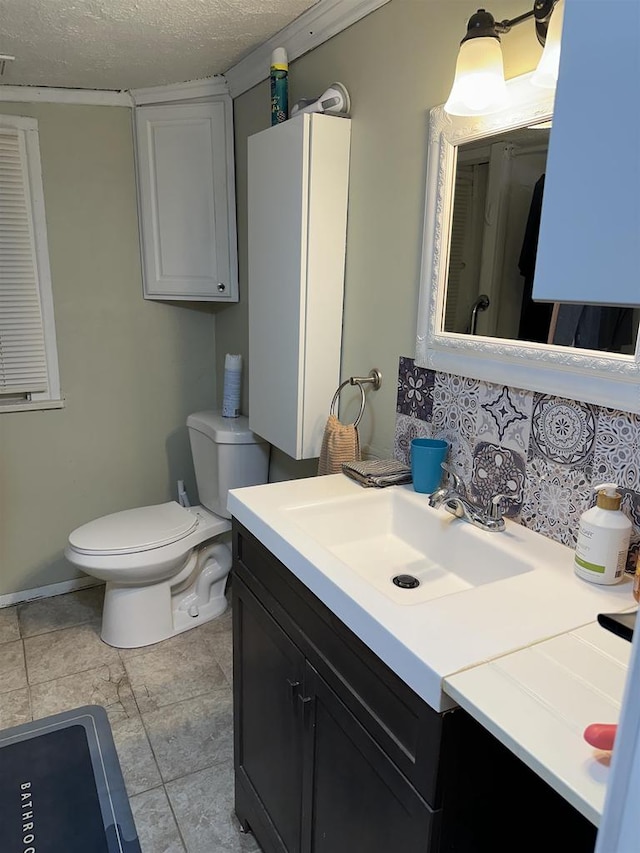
[[47, 591]]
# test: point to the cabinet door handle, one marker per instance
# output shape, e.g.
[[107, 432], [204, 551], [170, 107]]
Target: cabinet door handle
[[293, 687], [305, 701]]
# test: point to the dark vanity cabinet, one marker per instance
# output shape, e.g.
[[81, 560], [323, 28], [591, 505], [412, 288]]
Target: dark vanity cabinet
[[335, 754]]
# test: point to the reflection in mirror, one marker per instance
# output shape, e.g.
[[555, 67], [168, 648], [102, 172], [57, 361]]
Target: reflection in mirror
[[497, 201], [491, 301]]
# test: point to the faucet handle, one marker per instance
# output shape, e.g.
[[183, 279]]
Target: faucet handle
[[495, 512], [458, 482]]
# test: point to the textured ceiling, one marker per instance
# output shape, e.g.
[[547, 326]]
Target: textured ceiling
[[125, 44]]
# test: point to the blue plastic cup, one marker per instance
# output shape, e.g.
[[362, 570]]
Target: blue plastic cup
[[427, 456]]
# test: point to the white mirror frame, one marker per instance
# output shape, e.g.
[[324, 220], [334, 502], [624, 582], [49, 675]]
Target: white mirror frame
[[606, 379]]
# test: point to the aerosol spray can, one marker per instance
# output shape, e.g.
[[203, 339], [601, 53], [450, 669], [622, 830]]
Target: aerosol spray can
[[279, 86]]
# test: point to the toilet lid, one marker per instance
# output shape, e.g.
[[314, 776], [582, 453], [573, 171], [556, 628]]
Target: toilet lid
[[134, 530]]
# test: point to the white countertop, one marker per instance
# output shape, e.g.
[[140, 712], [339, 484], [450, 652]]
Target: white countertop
[[426, 642], [538, 702], [524, 656]]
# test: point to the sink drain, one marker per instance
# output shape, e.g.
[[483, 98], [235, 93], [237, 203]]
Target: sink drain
[[406, 581]]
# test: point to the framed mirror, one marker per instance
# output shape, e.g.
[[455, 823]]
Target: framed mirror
[[476, 318]]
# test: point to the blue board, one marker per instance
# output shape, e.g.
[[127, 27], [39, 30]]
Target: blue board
[[61, 787]]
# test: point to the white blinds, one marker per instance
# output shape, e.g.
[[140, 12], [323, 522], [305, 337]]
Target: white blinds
[[23, 364]]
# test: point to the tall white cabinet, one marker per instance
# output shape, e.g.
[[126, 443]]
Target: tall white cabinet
[[186, 193], [298, 174]]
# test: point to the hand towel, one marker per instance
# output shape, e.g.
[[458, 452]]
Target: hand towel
[[340, 443], [378, 472]]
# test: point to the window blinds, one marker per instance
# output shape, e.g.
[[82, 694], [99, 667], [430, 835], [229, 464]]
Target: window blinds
[[23, 363]]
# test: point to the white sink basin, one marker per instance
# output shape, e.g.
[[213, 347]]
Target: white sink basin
[[388, 532], [482, 595]]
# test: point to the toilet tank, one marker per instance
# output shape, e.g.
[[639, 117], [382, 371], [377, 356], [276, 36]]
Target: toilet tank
[[226, 455]]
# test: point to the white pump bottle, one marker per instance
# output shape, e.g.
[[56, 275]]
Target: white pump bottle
[[603, 538]]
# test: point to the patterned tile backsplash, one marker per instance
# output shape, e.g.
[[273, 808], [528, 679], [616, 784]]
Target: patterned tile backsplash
[[544, 453]]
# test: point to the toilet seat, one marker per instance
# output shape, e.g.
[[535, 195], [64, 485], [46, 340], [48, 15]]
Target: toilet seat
[[134, 530]]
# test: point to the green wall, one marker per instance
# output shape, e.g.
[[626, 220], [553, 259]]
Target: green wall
[[131, 370], [397, 63]]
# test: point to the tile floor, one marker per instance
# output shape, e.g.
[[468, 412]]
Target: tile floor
[[170, 708]]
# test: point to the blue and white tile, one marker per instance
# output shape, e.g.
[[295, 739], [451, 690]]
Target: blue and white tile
[[455, 406], [555, 496], [408, 428], [504, 416], [617, 449], [631, 508], [498, 471], [634, 552], [563, 431], [460, 455], [415, 390]]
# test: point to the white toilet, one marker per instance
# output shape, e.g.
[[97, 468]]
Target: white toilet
[[165, 567]]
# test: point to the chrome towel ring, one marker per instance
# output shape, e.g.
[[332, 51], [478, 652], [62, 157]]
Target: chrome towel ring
[[375, 378], [362, 400]]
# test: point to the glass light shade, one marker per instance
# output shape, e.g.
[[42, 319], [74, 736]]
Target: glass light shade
[[546, 74], [478, 87]]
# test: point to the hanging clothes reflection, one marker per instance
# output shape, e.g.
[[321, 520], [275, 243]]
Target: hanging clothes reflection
[[595, 327]]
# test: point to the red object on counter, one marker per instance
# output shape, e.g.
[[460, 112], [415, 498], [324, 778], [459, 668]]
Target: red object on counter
[[601, 735]]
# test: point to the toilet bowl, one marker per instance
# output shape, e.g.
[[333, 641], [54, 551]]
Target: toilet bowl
[[166, 566]]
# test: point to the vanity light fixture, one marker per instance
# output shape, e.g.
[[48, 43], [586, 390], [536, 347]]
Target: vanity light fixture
[[479, 87]]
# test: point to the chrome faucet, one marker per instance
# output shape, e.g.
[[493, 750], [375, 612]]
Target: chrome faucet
[[454, 499]]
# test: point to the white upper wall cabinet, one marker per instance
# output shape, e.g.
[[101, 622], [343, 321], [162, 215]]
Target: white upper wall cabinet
[[186, 192], [298, 174], [590, 225]]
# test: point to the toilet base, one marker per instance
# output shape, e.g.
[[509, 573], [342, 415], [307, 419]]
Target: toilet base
[[133, 617]]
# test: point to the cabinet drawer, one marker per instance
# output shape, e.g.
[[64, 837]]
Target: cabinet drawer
[[413, 735]]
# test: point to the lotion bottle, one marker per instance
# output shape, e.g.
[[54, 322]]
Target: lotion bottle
[[603, 538]]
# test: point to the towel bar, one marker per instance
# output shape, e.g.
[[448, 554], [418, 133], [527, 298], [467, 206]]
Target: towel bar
[[374, 377]]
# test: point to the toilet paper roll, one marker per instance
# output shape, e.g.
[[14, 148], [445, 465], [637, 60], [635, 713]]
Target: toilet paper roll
[[232, 383]]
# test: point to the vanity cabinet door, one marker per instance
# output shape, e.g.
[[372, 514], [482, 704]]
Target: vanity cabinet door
[[355, 798], [268, 675]]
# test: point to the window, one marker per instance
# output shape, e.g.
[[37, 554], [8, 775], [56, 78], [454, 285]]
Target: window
[[28, 357]]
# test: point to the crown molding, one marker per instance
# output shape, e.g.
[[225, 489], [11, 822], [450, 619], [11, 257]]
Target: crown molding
[[315, 26], [190, 91], [51, 95]]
